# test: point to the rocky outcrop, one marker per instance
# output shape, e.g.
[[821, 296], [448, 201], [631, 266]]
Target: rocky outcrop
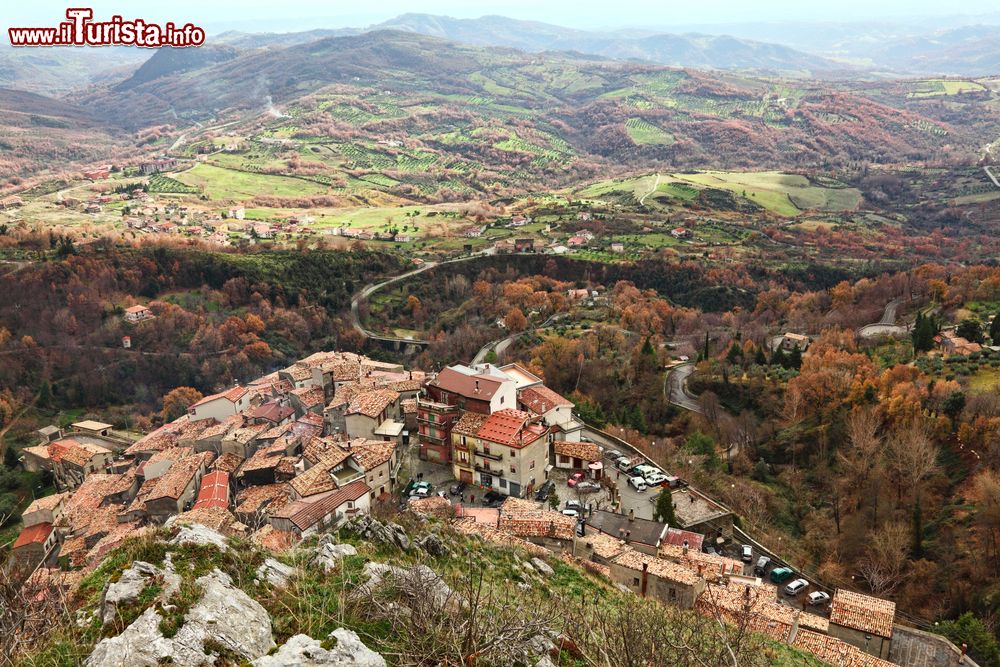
[[133, 581], [225, 617], [347, 650], [383, 533], [196, 533], [416, 580], [276, 573], [328, 553], [542, 567], [433, 545]]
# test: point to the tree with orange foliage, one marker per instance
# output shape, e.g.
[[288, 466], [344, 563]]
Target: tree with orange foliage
[[515, 321], [177, 400]]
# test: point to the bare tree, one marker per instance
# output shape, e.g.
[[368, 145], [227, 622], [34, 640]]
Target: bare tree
[[884, 563]]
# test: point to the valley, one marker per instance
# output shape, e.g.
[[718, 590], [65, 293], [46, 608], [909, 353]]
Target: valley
[[582, 285]]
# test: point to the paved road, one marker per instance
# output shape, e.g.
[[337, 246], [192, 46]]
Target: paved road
[[989, 172], [677, 391], [887, 325]]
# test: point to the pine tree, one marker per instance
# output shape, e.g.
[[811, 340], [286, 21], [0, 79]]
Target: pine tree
[[917, 548], [664, 511], [705, 353], [795, 358], [995, 329]]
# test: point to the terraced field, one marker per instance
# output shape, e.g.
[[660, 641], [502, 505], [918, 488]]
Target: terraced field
[[944, 87], [644, 133]]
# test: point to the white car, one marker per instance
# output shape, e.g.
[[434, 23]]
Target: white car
[[796, 587], [655, 478], [638, 483], [572, 513], [817, 598]]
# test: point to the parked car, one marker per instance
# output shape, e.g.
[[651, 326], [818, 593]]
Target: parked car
[[543, 491], [796, 587], [675, 482], [656, 479], [588, 487], [575, 479], [747, 553], [614, 454], [420, 492], [644, 470], [780, 575], [817, 598], [572, 513], [638, 483], [574, 505], [458, 488], [761, 568], [493, 498]]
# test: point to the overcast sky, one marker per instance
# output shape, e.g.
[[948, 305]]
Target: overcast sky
[[216, 15]]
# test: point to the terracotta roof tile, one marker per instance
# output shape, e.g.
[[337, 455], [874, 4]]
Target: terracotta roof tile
[[371, 453], [36, 534], [588, 451], [525, 518], [214, 491], [307, 513], [540, 399], [372, 403], [510, 427], [469, 424], [271, 497], [863, 612], [659, 567], [173, 483]]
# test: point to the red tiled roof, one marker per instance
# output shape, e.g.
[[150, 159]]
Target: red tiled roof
[[372, 403], [36, 534], [540, 399], [509, 427], [307, 513], [232, 395], [863, 612], [273, 412], [588, 451], [459, 383], [214, 491]]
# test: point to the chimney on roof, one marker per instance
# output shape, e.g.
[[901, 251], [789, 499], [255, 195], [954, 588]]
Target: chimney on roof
[[631, 515], [684, 548], [477, 386]]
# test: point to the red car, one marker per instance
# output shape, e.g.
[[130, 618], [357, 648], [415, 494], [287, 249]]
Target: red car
[[575, 479]]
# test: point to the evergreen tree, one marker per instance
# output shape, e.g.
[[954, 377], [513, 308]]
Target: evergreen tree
[[795, 358], [917, 549], [759, 357], [995, 329], [664, 511], [735, 353], [705, 353], [971, 330]]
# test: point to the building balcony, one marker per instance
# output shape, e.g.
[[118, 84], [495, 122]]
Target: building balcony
[[490, 456], [484, 467]]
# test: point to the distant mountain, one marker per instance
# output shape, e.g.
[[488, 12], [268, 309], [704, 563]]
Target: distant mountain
[[168, 61], [688, 50], [259, 40], [965, 51], [59, 70]]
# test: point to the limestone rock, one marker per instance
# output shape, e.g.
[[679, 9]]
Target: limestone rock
[[376, 531], [275, 572], [418, 578], [328, 555], [542, 567], [303, 651], [128, 588], [225, 614], [433, 545], [199, 534]]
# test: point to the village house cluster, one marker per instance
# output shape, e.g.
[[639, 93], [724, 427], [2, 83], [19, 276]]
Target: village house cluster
[[289, 454], [303, 449], [665, 563]]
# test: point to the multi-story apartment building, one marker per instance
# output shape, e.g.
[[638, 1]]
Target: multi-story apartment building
[[507, 451], [455, 390]]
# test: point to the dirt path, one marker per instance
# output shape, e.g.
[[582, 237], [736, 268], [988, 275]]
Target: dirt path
[[656, 184]]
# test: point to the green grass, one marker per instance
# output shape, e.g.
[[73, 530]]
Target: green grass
[[644, 133], [944, 87], [219, 183], [161, 183], [784, 194]]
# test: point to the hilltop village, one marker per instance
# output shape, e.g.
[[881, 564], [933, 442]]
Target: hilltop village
[[305, 449]]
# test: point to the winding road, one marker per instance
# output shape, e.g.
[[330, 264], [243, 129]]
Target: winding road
[[675, 385], [656, 184], [887, 325]]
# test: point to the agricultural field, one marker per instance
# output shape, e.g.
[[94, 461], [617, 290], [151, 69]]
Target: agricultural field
[[784, 194], [229, 184], [644, 133], [944, 87]]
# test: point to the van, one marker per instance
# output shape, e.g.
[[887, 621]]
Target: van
[[781, 574]]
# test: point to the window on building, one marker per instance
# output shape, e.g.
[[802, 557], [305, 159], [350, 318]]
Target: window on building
[[532, 466], [350, 504], [635, 581], [503, 483], [381, 474], [513, 469], [672, 594], [464, 443], [563, 458]]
